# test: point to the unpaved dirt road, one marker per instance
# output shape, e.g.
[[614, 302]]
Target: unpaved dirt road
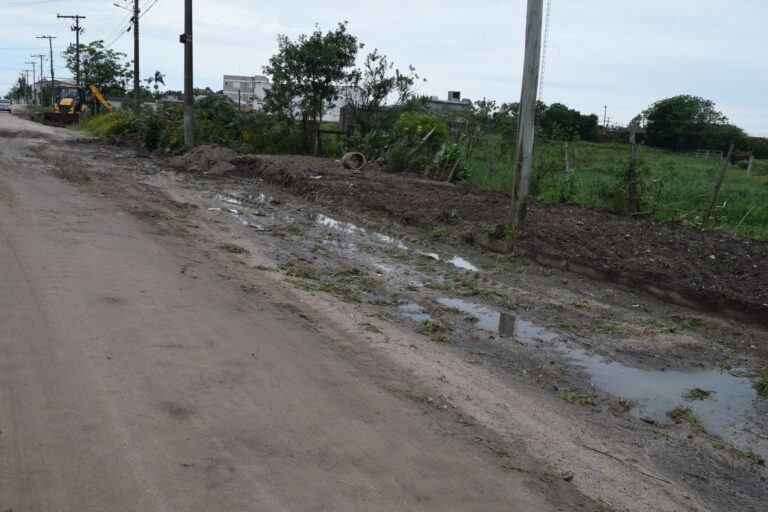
[[137, 374]]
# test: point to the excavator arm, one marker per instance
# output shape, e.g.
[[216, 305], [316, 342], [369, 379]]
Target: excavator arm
[[100, 97]]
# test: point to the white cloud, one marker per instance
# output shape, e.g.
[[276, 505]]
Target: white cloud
[[621, 53]]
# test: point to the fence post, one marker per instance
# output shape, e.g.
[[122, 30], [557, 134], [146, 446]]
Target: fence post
[[717, 186], [749, 165]]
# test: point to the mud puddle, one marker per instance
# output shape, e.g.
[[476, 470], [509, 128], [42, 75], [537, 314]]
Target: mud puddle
[[352, 229], [413, 312], [456, 261], [725, 408], [501, 323]]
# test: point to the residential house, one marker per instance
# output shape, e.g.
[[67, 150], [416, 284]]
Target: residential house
[[450, 108], [246, 90]]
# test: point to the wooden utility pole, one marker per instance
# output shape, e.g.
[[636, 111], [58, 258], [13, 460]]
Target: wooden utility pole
[[186, 38], [136, 86], [77, 30], [525, 131], [717, 186], [53, 81]]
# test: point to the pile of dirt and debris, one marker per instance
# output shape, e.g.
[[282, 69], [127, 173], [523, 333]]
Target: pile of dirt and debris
[[206, 159], [700, 268]]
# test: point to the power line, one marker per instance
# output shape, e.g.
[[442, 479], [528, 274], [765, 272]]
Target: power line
[[77, 30], [146, 9], [36, 2]]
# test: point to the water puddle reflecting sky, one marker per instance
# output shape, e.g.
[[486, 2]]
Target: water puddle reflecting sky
[[725, 412]]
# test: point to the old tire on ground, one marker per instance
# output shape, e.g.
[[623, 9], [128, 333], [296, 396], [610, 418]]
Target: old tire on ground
[[353, 160]]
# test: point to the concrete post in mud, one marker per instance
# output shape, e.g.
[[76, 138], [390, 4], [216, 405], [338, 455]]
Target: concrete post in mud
[[565, 160], [525, 132]]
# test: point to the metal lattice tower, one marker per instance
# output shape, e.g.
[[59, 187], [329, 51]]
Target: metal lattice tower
[[544, 50]]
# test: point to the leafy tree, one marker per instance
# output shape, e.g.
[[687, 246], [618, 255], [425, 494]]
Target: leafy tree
[[562, 123], [306, 75], [758, 146], [688, 122], [102, 67], [373, 85], [20, 90]]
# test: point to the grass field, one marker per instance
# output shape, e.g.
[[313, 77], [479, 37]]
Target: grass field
[[675, 186]]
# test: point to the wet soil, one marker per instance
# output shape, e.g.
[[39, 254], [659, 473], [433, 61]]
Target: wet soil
[[530, 358], [707, 269]]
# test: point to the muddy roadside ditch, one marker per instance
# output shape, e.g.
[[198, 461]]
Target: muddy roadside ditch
[[683, 378], [703, 269]]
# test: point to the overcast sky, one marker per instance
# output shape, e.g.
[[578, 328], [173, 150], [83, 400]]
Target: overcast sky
[[620, 53]]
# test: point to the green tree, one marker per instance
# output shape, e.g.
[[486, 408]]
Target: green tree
[[372, 86], [688, 122], [154, 81], [102, 67], [20, 90], [562, 123], [306, 75]]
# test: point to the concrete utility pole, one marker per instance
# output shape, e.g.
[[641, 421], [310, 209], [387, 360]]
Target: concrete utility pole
[[186, 39], [525, 131], [136, 88], [53, 81], [34, 79], [25, 78], [77, 30], [42, 77]]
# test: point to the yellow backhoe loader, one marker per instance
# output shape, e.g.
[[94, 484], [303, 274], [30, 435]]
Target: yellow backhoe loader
[[72, 103]]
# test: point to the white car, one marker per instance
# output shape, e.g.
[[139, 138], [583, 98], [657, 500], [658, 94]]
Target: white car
[[5, 105]]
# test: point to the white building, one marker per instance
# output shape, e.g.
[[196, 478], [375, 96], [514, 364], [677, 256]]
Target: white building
[[251, 91], [246, 90]]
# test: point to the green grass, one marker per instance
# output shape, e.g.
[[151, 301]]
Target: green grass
[[761, 385], [293, 228], [578, 396], [341, 291], [684, 414], [696, 394], [104, 125], [294, 268], [754, 457], [680, 185], [369, 327], [234, 249]]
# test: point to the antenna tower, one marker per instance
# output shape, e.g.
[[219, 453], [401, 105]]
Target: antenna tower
[[544, 50]]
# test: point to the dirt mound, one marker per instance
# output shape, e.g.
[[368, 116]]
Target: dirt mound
[[707, 269], [212, 160]]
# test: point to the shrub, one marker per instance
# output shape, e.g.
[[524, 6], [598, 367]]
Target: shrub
[[107, 124], [414, 126]]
